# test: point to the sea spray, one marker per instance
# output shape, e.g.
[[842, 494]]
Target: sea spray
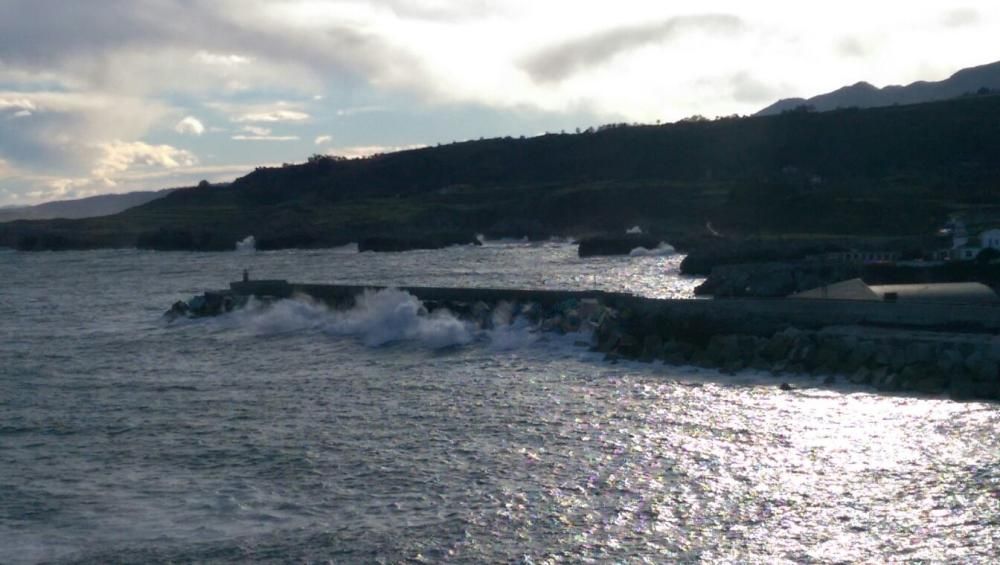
[[664, 249], [389, 315], [377, 318], [247, 245], [380, 317]]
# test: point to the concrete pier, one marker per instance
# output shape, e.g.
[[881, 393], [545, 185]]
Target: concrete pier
[[756, 316], [929, 348]]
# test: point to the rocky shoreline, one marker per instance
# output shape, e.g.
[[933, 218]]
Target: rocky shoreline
[[964, 366]]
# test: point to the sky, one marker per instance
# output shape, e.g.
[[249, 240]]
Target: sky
[[110, 96]]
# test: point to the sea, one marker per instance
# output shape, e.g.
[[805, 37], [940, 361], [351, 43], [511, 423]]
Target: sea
[[288, 433]]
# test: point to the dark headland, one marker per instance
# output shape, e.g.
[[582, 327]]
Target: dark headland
[[804, 180]]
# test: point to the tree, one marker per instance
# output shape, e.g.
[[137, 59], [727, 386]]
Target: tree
[[987, 255]]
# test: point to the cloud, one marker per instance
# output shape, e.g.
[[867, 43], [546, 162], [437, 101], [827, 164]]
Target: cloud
[[746, 88], [5, 169], [48, 188], [143, 46], [66, 129], [221, 60], [265, 138], [257, 133], [16, 105], [856, 46], [323, 139], [190, 126], [272, 116], [118, 157], [561, 61], [962, 17], [447, 11], [356, 151], [343, 112]]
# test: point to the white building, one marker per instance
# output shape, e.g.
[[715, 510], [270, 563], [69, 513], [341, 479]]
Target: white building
[[965, 247]]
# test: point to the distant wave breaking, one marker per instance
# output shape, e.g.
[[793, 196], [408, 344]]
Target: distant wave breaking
[[247, 245]]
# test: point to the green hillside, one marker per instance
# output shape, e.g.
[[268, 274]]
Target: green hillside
[[893, 171]]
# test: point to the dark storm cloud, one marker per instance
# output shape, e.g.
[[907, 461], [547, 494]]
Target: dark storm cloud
[[561, 61], [74, 37]]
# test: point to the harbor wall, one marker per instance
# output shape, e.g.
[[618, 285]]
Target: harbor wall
[[757, 316], [920, 347]]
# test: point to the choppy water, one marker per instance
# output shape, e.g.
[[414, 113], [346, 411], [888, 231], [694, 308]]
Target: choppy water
[[297, 434]]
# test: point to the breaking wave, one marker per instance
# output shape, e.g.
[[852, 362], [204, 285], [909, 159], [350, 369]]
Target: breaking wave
[[387, 316], [247, 244], [661, 250], [378, 318]]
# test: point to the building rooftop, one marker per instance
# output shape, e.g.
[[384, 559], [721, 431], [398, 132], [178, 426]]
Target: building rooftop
[[856, 289]]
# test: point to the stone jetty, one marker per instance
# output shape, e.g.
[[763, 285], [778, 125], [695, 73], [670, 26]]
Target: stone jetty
[[918, 347]]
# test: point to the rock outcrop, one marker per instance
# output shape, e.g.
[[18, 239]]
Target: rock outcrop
[[615, 244], [772, 280]]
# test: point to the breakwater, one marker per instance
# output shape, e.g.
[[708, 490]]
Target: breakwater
[[921, 347]]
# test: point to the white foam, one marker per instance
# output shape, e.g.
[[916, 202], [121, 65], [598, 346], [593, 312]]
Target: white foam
[[508, 337], [348, 248], [634, 230], [389, 315], [662, 250], [247, 244], [284, 316]]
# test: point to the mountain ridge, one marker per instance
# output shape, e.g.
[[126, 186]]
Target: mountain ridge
[[880, 172], [79, 208], [862, 94]]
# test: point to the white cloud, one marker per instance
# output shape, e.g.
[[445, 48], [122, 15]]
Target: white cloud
[[17, 104], [65, 131], [356, 151], [5, 169], [118, 157], [273, 116], [190, 126], [265, 138], [255, 130], [323, 139], [217, 59], [342, 112]]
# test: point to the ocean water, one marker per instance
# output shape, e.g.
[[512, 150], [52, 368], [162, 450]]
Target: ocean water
[[296, 434]]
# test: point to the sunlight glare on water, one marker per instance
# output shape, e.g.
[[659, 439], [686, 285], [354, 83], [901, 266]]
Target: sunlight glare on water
[[296, 434]]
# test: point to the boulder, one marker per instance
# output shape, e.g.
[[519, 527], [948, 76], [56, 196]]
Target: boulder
[[652, 348], [777, 347], [827, 355], [950, 360], [615, 244], [961, 386], [858, 357], [862, 376], [178, 310]]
